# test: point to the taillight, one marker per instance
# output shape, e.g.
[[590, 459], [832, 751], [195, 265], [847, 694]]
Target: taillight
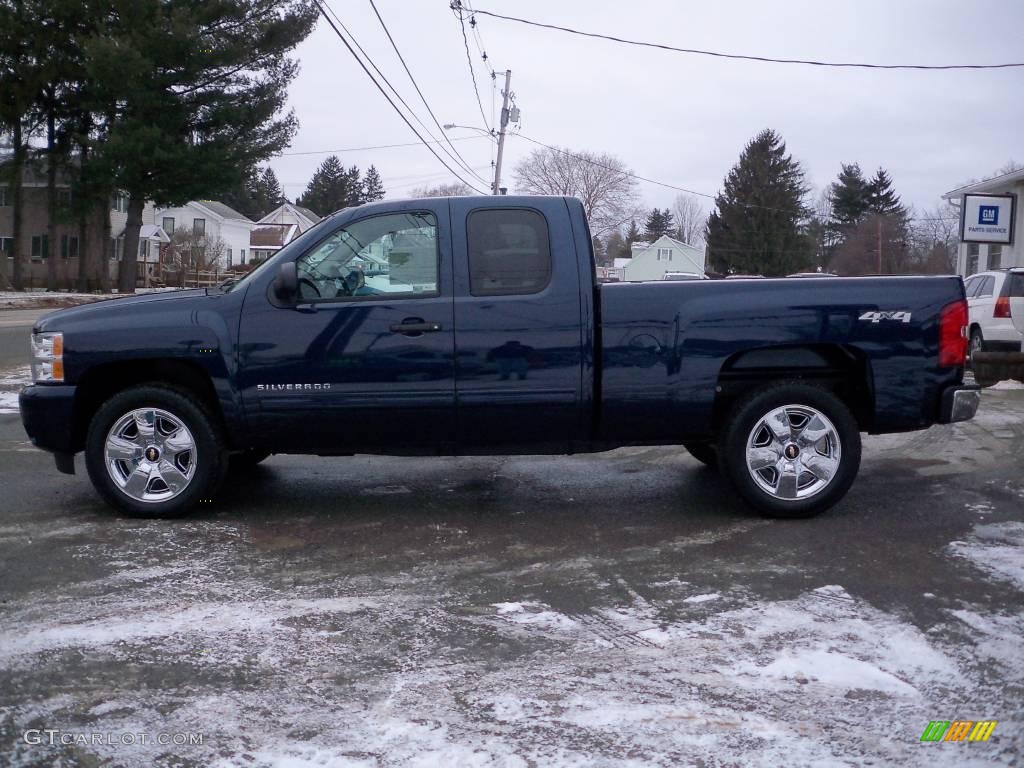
[[1002, 307], [953, 334]]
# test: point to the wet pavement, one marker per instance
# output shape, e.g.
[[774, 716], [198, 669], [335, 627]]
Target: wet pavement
[[621, 608]]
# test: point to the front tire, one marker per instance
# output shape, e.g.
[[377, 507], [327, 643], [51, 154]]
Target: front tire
[[791, 450], [154, 451]]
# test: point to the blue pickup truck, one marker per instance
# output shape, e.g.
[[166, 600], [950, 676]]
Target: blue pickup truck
[[474, 325]]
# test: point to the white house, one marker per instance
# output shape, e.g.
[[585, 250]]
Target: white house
[[219, 224], [996, 243], [651, 261], [278, 228]]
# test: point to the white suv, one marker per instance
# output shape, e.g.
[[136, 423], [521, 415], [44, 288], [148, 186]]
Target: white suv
[[996, 303]]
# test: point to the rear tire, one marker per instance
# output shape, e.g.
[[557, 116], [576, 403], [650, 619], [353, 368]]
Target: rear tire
[[791, 450], [976, 344], [705, 453], [154, 451]]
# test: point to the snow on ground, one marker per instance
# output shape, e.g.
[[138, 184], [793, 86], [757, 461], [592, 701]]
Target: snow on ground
[[1007, 385], [11, 382], [997, 549], [402, 668], [43, 299]]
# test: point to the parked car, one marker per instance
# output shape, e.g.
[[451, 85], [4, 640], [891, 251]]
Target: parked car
[[484, 332], [995, 303]]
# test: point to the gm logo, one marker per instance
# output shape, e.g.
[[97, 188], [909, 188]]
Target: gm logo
[[988, 214]]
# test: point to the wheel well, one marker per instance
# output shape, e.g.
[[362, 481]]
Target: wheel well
[[975, 327], [841, 370], [99, 384]]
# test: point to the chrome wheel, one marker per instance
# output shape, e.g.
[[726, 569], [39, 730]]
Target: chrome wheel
[[150, 454], [793, 452]]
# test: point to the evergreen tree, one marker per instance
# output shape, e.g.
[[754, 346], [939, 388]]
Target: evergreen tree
[[849, 198], [270, 194], [758, 224], [332, 188], [373, 186], [633, 235], [659, 222], [615, 247], [195, 92], [881, 198]]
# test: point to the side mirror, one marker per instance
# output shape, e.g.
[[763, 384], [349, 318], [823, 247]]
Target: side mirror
[[286, 284]]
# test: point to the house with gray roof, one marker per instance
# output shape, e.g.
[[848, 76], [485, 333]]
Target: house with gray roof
[[218, 228]]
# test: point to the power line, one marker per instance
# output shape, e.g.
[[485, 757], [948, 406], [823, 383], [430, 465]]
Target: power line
[[456, 6], [390, 101], [379, 146], [744, 57], [417, 87], [457, 160]]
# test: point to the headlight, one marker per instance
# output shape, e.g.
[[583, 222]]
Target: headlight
[[47, 357]]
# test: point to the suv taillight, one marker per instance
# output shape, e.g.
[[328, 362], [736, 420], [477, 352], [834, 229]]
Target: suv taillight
[[953, 334], [1002, 307]]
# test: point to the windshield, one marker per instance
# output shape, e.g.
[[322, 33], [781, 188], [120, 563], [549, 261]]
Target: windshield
[[298, 244]]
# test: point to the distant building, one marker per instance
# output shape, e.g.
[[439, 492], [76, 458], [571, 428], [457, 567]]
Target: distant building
[[985, 224], [278, 228], [208, 224], [651, 261], [35, 240]]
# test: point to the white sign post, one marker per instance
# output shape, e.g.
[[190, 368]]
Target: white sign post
[[987, 218]]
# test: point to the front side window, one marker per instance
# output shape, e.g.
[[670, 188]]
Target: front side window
[[394, 255], [509, 252]]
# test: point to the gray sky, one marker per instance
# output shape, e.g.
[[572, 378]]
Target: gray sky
[[679, 118]]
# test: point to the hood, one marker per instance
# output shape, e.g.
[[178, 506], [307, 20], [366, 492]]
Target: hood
[[57, 320]]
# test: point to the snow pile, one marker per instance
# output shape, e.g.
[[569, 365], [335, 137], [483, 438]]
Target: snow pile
[[11, 382]]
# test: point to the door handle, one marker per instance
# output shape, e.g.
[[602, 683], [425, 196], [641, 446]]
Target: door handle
[[415, 325]]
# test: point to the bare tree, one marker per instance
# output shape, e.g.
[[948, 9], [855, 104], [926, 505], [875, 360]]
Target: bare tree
[[455, 189], [601, 181], [935, 237], [691, 219], [190, 252]]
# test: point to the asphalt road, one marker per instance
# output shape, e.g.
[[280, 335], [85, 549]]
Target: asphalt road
[[622, 608]]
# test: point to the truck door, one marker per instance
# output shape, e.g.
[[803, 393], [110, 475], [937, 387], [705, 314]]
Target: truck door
[[366, 359], [518, 325]]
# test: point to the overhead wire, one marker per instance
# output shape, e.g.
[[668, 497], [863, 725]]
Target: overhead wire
[[423, 98], [456, 6], [739, 56], [320, 7], [457, 160]]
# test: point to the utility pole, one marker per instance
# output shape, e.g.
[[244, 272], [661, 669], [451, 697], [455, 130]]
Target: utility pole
[[495, 188]]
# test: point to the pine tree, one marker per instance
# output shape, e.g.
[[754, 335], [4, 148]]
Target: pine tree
[[633, 235], [659, 222], [196, 93], [758, 224], [850, 200], [373, 186], [881, 198], [270, 194]]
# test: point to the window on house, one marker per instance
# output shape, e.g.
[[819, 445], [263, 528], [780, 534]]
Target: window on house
[[119, 202], [228, 254], [509, 252], [40, 247], [995, 257], [4, 197], [168, 225], [664, 254], [115, 251], [241, 256], [73, 247], [144, 250], [198, 227], [7, 246]]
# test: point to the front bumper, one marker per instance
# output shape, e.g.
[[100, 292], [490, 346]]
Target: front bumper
[[46, 413], [959, 403]]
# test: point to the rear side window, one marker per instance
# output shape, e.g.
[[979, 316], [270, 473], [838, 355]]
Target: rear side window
[[509, 252], [1016, 290], [988, 285], [970, 286]]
